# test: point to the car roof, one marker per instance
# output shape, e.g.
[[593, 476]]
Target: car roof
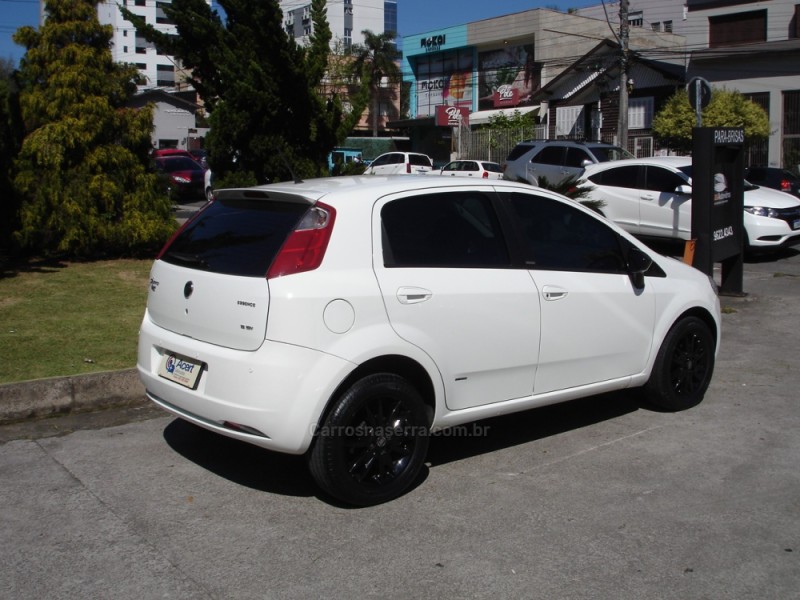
[[376, 185], [676, 162]]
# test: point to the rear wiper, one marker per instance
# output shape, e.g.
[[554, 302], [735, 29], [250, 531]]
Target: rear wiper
[[188, 259]]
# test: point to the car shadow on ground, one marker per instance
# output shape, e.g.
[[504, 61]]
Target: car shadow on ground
[[275, 473]]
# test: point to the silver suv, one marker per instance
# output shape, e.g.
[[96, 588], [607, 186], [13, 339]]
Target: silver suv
[[556, 160]]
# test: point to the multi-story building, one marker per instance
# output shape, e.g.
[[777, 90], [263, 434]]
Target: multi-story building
[[346, 18], [750, 46], [484, 68], [127, 46]]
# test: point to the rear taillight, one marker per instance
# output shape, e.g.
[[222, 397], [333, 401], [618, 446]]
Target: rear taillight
[[485, 175], [786, 185], [305, 247], [408, 167]]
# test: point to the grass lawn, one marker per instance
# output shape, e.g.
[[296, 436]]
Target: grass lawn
[[69, 318]]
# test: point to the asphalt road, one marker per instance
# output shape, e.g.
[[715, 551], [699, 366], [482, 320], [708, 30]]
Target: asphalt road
[[598, 498]]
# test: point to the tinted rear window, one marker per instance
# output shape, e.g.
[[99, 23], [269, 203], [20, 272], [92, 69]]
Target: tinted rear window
[[492, 167], [419, 160], [235, 237]]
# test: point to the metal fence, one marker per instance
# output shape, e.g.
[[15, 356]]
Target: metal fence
[[493, 145]]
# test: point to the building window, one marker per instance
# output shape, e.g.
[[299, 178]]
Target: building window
[[668, 26], [139, 2], [640, 113], [739, 28], [161, 16], [636, 19], [348, 37], [656, 26], [125, 49], [165, 76]]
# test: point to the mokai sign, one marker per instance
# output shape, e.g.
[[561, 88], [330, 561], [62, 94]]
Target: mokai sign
[[718, 204]]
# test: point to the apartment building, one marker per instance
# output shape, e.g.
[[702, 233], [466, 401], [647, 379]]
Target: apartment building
[[346, 18], [127, 46]]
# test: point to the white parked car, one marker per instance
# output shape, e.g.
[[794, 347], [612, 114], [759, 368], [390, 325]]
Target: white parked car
[[346, 318], [652, 197], [480, 169], [400, 163]]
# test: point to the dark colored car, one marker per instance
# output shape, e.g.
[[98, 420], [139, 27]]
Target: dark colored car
[[776, 178], [185, 177]]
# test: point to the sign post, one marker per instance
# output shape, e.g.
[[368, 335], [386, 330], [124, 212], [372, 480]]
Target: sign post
[[699, 92], [718, 204]]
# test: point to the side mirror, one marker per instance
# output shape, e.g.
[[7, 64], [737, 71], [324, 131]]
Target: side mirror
[[684, 189], [638, 264]]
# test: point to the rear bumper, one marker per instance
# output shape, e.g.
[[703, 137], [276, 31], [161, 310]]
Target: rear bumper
[[272, 397]]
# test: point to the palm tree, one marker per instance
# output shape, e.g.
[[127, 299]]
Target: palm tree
[[373, 60]]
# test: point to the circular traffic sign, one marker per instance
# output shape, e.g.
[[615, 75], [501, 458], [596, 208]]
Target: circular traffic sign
[[699, 91]]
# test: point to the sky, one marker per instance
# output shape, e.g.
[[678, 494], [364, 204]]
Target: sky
[[413, 16]]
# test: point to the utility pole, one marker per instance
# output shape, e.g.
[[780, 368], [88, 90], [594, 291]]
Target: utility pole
[[622, 126]]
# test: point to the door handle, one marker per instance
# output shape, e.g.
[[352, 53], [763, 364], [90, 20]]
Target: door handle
[[413, 295], [553, 293]]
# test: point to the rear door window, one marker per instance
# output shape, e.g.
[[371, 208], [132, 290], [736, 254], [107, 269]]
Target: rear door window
[[454, 229], [235, 236]]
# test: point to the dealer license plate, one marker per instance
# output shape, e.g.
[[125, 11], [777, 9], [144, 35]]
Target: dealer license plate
[[180, 369]]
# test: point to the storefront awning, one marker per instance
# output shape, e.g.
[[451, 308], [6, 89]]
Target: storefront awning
[[482, 117]]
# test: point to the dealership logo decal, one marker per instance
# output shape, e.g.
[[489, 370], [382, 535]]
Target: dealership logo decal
[[721, 192]]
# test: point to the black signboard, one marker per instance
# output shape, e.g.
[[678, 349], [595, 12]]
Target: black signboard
[[718, 203]]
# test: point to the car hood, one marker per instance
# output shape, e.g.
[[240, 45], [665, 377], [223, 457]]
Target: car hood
[[764, 196]]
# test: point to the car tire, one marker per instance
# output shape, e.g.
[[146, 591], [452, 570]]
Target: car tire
[[373, 441], [683, 367]]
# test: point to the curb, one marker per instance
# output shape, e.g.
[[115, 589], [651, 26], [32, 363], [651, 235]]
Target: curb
[[43, 398]]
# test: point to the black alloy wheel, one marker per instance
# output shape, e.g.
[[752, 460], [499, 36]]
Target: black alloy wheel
[[684, 366], [373, 442]]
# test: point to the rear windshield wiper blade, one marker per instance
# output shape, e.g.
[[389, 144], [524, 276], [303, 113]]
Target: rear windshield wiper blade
[[187, 259]]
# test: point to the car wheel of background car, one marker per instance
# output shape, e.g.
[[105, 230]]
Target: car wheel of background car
[[373, 443], [683, 367]]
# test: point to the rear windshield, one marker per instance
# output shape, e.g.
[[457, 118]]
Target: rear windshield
[[235, 236], [419, 160], [492, 167]]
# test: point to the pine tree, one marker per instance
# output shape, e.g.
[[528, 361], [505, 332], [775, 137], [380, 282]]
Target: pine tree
[[83, 170]]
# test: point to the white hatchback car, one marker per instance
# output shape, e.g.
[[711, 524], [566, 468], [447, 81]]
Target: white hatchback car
[[652, 197], [480, 169], [400, 163], [347, 318]]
